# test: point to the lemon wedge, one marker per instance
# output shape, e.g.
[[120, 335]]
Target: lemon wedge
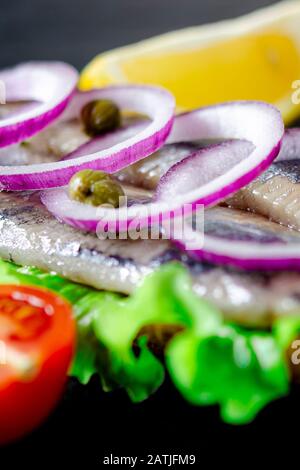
[[256, 57]]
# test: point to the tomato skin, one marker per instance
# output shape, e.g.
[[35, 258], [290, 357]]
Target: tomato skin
[[24, 404]]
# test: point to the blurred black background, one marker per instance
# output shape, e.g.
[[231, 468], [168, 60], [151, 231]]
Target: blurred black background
[[77, 30], [89, 424]]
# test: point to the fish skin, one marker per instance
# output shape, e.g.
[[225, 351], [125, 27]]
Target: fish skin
[[49, 145], [270, 294], [239, 225], [54, 143], [63, 137], [289, 169], [147, 172], [29, 235], [275, 194]]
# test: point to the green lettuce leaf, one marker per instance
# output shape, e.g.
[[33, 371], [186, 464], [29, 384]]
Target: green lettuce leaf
[[237, 369], [209, 360], [163, 299]]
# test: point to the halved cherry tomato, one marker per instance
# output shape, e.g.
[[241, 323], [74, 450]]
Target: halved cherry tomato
[[37, 337]]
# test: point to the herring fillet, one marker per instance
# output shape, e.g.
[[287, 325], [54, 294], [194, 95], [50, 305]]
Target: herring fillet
[[147, 172], [62, 138], [29, 235], [275, 194], [232, 224]]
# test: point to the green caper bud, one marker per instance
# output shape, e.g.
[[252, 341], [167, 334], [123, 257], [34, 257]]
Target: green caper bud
[[95, 188], [100, 116]]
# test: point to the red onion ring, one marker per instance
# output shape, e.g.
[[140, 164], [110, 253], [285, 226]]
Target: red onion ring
[[49, 84], [259, 123], [154, 102], [254, 121], [250, 255], [241, 254], [290, 148], [107, 140]]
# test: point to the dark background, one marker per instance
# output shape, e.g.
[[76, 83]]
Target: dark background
[[77, 30], [89, 424]]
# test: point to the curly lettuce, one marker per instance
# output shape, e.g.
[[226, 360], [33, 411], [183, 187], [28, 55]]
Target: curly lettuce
[[210, 361]]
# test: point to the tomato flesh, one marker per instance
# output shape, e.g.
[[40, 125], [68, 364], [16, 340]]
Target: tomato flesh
[[26, 321], [37, 336]]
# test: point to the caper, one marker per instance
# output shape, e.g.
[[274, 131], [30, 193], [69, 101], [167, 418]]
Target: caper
[[25, 143], [100, 116], [95, 188]]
